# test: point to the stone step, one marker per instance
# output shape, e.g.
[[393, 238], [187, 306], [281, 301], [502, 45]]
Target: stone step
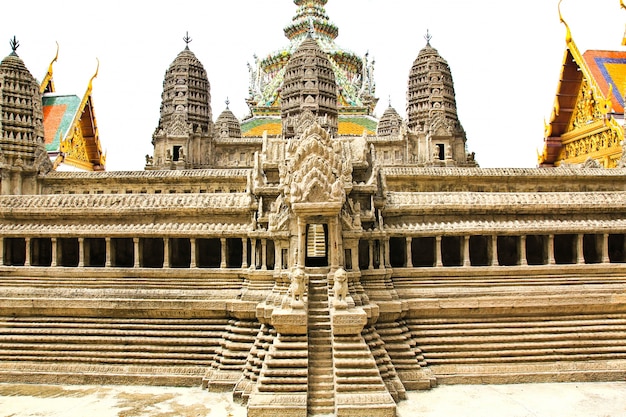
[[282, 388], [358, 387], [355, 372]]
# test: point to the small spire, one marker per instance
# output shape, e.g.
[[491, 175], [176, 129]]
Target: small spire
[[187, 40], [227, 103], [428, 37], [14, 45], [311, 28], [390, 100]]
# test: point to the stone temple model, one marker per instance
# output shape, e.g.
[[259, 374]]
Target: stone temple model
[[308, 270]]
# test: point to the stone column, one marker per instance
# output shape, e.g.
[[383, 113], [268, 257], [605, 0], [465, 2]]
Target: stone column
[[494, 250], [438, 253], [605, 249], [166, 252], [54, 252], [579, 249], [193, 263], [387, 253], [137, 263], [263, 254], [551, 260], [371, 249], [381, 254], [107, 255], [522, 252], [81, 252], [244, 253], [409, 252], [223, 253], [332, 245], [253, 253], [27, 254], [301, 243], [1, 251], [467, 261], [278, 258], [355, 257]]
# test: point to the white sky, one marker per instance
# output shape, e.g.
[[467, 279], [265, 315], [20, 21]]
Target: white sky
[[505, 57]]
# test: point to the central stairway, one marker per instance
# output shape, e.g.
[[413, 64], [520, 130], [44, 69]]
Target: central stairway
[[321, 384]]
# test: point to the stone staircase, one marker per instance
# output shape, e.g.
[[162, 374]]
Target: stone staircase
[[321, 398], [523, 349], [107, 350]]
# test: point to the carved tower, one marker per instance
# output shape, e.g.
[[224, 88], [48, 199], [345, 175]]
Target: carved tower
[[182, 139], [22, 152], [434, 129]]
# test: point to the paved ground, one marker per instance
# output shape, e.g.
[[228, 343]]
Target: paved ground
[[524, 400]]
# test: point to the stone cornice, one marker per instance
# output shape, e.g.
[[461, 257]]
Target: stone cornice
[[111, 205], [504, 203], [446, 172], [165, 174]]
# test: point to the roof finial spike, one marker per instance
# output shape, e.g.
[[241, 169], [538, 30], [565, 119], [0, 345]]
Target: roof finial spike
[[14, 45], [187, 40], [311, 28], [227, 103], [568, 32], [428, 37], [390, 100]]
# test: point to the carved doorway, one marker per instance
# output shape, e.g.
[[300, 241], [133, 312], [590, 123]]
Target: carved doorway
[[316, 245]]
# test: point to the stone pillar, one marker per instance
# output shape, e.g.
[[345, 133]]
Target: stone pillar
[[137, 263], [494, 250], [381, 254], [223, 253], [278, 258], [107, 255], [579, 249], [27, 254], [409, 252], [81, 252], [551, 260], [355, 257], [301, 243], [54, 261], [605, 249], [1, 251], [467, 261], [522, 251], [166, 252], [371, 249], [438, 253], [244, 253], [387, 253], [263, 254], [332, 245], [253, 253], [193, 263]]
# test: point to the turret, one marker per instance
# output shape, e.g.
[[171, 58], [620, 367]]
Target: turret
[[182, 138], [22, 152], [431, 111]]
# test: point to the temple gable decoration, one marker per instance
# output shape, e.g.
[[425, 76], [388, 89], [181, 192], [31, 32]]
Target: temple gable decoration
[[583, 123]]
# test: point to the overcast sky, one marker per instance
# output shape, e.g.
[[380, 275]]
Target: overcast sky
[[505, 57]]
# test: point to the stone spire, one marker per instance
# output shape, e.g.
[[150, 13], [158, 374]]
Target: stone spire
[[185, 126], [227, 125], [22, 152], [431, 108], [311, 15], [309, 85], [390, 123]]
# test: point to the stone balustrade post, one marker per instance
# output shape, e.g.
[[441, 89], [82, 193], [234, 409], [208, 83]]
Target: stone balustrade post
[[494, 251], [438, 251], [27, 254], [136, 254], [107, 254], [54, 261], [278, 261], [223, 253], [605, 249], [371, 253], [467, 260], [1, 251], [244, 253], [193, 263], [166, 252], [523, 251], [252, 253], [263, 254], [551, 260], [580, 252], [409, 252], [81, 252]]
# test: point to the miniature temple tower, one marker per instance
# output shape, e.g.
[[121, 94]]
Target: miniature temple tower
[[182, 138], [435, 133], [309, 85], [22, 153]]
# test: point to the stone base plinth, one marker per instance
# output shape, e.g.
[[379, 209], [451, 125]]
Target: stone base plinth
[[290, 321], [375, 404], [350, 321], [278, 405]]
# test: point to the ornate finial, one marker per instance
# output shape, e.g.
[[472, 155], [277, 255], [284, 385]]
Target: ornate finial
[[14, 45], [389, 100], [187, 40], [227, 103], [311, 28], [568, 33], [428, 37]]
